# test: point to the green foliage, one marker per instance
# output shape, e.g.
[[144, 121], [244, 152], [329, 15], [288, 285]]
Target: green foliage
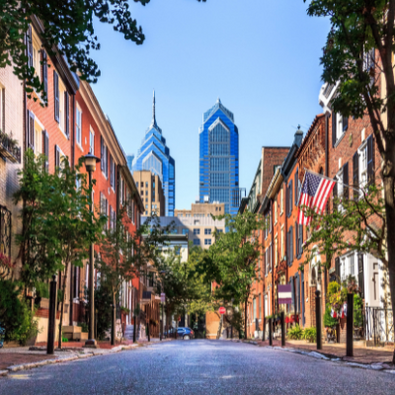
[[295, 333], [42, 289], [310, 334], [84, 327], [65, 339], [329, 321], [358, 311], [16, 316]]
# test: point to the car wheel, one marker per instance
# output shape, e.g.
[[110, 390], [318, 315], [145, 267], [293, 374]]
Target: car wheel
[[186, 337]]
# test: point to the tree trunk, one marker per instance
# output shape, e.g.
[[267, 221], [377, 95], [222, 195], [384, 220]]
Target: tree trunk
[[390, 217], [113, 317], [62, 305]]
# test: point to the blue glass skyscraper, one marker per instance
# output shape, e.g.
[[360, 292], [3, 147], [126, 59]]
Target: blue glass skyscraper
[[154, 156], [219, 158]]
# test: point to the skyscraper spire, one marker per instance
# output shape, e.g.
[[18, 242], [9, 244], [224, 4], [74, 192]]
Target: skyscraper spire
[[153, 111]]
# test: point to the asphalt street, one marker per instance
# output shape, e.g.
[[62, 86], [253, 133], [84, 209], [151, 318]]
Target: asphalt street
[[199, 367]]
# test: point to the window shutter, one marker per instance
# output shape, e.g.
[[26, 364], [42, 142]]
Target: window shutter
[[30, 130], [46, 149], [29, 46], [293, 292], [361, 282], [297, 293], [296, 240], [370, 144], [286, 200], [56, 95], [66, 114], [291, 237], [296, 187], [271, 257], [57, 156], [337, 269], [101, 153], [300, 239], [355, 174], [290, 198], [345, 123], [334, 191], [333, 128], [44, 70], [346, 191]]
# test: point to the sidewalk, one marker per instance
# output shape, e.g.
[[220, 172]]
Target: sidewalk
[[21, 358], [362, 354]]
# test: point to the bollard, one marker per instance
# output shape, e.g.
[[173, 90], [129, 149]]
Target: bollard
[[282, 330], [264, 329], [318, 319], [96, 311], [270, 332], [134, 329], [52, 317], [350, 325], [112, 324]]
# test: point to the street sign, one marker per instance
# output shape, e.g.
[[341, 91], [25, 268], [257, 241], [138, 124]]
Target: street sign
[[222, 310], [284, 294], [162, 297]]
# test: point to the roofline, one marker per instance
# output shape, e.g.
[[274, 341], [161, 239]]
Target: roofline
[[309, 132]]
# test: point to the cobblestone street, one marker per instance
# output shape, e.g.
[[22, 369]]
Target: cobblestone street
[[199, 367]]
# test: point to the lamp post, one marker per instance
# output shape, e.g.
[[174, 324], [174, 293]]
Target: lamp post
[[90, 161], [163, 272]]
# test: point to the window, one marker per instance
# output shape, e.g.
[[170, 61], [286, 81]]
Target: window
[[341, 187], [260, 306], [78, 128], [290, 249], [185, 231], [207, 242], [207, 231], [104, 156], [275, 211], [254, 308], [112, 173], [289, 198], [92, 142], [104, 206], [196, 231], [281, 200], [347, 267], [339, 127], [275, 251], [196, 242], [146, 184], [220, 231], [142, 193]]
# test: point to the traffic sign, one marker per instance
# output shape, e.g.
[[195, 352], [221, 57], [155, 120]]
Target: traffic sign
[[222, 310], [162, 297]]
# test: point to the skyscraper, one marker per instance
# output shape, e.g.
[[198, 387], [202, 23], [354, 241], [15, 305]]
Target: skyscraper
[[154, 156], [219, 158]]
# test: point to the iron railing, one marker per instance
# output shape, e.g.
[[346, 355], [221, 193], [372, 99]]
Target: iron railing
[[379, 325], [9, 148]]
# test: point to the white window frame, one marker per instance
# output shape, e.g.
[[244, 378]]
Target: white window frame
[[345, 261], [91, 141], [363, 164], [78, 126]]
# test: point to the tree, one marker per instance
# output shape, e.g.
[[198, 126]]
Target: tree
[[232, 263], [68, 27], [57, 224], [357, 54]]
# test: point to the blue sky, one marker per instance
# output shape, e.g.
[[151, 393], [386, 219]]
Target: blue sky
[[260, 57]]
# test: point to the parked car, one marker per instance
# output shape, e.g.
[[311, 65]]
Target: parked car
[[185, 333]]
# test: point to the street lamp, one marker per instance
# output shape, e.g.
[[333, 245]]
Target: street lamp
[[163, 272], [90, 161]]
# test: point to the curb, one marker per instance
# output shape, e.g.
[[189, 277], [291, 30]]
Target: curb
[[28, 366]]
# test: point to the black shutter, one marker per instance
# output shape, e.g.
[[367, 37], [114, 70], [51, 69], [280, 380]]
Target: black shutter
[[333, 128], [30, 130], [56, 95], [300, 239], [345, 123], [334, 191], [46, 149], [57, 156], [355, 174], [44, 70], [345, 181], [101, 153], [337, 269], [361, 282], [264, 263], [286, 200], [296, 240], [291, 244], [370, 144], [29, 46], [293, 292], [66, 114], [290, 197], [296, 187]]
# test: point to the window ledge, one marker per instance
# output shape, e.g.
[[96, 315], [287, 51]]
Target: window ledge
[[340, 139], [80, 147]]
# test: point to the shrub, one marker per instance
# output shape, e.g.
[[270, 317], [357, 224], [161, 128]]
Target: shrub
[[295, 333], [16, 316], [84, 327], [358, 306], [329, 321], [310, 334]]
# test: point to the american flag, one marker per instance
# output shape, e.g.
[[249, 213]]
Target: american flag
[[314, 195]]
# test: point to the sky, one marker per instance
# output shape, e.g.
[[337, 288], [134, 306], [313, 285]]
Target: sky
[[260, 57]]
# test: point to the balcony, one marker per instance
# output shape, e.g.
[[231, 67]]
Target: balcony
[[9, 148]]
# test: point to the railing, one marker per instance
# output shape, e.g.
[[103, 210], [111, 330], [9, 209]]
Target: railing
[[9, 148], [379, 325]]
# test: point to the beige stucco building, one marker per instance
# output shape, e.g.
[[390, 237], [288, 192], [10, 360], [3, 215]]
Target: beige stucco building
[[150, 188]]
